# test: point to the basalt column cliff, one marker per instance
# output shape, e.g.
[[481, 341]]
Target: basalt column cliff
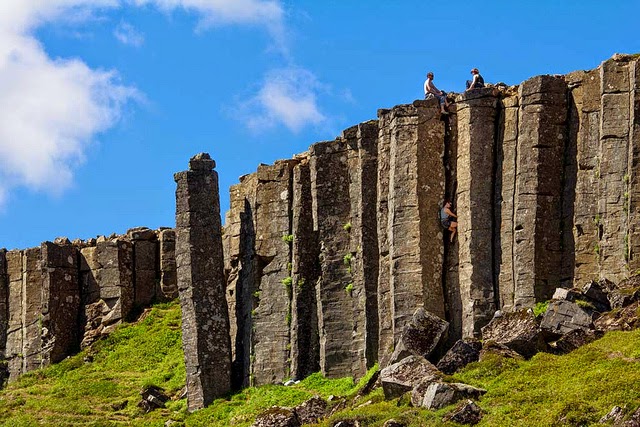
[[328, 255]]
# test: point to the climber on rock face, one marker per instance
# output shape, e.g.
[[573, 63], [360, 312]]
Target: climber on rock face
[[447, 219], [431, 89]]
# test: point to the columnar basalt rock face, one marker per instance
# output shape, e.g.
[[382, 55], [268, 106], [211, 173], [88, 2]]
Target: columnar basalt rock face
[[168, 273], [385, 325], [60, 301], [505, 192], [4, 308], [416, 188], [115, 276], [32, 301], [271, 317], [477, 113], [201, 284], [305, 344], [542, 132], [633, 240], [145, 261], [340, 314]]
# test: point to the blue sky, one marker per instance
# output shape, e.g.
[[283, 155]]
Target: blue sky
[[101, 101]]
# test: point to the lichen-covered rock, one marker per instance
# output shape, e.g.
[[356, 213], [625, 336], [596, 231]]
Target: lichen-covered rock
[[312, 410], [393, 423], [620, 319], [403, 376], [465, 413], [421, 336], [490, 348], [564, 316], [520, 331], [573, 340], [277, 417], [462, 353], [436, 395], [625, 293]]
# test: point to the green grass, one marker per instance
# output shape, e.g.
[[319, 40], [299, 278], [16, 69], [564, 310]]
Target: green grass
[[575, 389]]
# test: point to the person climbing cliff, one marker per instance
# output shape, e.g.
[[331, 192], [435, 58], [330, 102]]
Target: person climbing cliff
[[431, 89], [447, 219], [477, 80]]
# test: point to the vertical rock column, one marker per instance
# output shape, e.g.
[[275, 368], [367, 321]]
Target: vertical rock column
[[115, 277], [61, 301], [305, 345], [477, 112], [168, 275], [634, 167], [416, 189], [542, 131], [241, 276], [385, 325], [201, 285], [583, 143], [367, 241], [4, 314], [272, 316], [614, 175], [342, 348], [145, 264], [13, 350], [505, 191], [32, 301]]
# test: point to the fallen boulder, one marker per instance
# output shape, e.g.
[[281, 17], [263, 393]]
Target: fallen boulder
[[462, 353], [493, 348], [421, 336], [277, 416], [466, 413], [564, 316], [311, 411], [152, 398], [436, 395], [625, 293], [574, 339], [520, 331], [393, 423], [403, 376], [620, 319]]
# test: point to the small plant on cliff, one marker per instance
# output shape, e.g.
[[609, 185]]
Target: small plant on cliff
[[347, 226], [540, 308], [287, 238], [585, 304], [596, 249], [349, 289], [347, 258], [301, 283], [287, 282]]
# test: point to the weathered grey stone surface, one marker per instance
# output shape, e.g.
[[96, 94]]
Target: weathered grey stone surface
[[311, 411], [60, 301], [477, 113], [564, 316], [341, 317], [145, 264], [462, 353], [271, 317], [403, 376], [466, 413], [436, 395], [385, 318], [277, 417], [519, 330], [305, 344], [201, 284], [416, 188], [542, 132], [421, 336], [4, 306], [168, 275], [32, 301], [14, 343]]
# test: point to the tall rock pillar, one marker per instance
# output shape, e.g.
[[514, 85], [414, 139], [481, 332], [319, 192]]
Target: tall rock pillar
[[477, 111], [201, 283], [4, 314], [542, 134]]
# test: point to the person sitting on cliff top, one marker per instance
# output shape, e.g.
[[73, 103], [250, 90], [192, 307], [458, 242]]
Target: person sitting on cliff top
[[447, 219], [431, 90], [477, 81]]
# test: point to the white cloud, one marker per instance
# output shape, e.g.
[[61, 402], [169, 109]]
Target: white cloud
[[288, 97], [127, 34]]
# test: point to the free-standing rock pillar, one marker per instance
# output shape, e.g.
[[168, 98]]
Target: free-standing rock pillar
[[168, 275], [477, 110], [201, 283]]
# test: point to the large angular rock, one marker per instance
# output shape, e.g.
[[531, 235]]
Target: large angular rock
[[520, 331], [492, 348], [625, 293], [573, 340], [312, 410], [437, 395], [620, 319], [466, 413], [421, 336], [462, 353], [277, 417], [403, 376], [562, 317]]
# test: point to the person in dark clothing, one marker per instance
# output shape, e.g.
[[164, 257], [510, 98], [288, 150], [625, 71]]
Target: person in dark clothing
[[476, 82], [447, 219]]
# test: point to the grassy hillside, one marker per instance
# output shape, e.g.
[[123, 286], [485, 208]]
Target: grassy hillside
[[100, 387]]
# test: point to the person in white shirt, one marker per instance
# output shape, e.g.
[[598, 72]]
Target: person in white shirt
[[430, 88]]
